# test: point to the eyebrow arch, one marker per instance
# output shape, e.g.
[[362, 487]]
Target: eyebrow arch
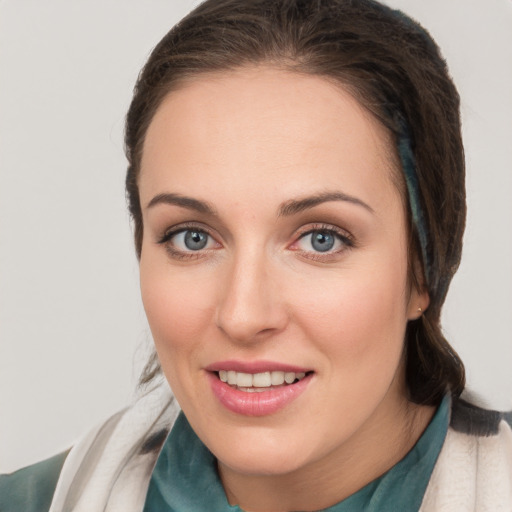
[[298, 205], [183, 201]]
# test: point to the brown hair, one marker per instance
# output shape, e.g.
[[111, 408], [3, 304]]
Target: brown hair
[[394, 68]]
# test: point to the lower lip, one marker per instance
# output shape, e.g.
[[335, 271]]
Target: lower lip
[[260, 403]]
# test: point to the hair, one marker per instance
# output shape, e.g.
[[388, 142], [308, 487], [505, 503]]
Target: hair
[[392, 66]]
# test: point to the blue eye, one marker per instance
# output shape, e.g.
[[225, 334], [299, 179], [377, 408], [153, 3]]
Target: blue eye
[[191, 240], [320, 240], [195, 240]]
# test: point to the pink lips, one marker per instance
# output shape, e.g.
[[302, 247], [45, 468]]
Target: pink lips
[[261, 403]]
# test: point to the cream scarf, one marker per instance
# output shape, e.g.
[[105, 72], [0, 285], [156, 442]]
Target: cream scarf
[[109, 470]]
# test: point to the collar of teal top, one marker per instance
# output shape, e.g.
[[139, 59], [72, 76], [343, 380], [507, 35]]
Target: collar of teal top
[[185, 477]]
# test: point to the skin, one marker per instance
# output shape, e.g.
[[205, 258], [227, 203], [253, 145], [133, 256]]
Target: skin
[[248, 142]]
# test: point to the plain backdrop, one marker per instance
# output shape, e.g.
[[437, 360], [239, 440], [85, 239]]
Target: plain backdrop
[[72, 331]]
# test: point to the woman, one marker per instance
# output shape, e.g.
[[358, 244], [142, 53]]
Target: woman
[[296, 181]]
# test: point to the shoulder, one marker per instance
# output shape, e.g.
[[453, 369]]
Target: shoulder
[[31, 489], [474, 468], [471, 419], [112, 464], [104, 463]]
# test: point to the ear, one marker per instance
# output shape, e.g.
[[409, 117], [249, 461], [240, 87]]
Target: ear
[[419, 298], [419, 301]]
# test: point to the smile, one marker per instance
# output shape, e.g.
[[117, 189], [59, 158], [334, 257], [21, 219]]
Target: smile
[[259, 382], [249, 390]]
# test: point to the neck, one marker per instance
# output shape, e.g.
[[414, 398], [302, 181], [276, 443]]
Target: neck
[[383, 441]]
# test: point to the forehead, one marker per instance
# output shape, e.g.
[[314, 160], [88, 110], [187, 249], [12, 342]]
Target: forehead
[[261, 125]]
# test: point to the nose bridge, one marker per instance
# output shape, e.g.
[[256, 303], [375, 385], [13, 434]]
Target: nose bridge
[[250, 304]]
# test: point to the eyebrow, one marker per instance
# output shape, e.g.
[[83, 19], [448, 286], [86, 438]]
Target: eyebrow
[[286, 209], [299, 205], [183, 201]]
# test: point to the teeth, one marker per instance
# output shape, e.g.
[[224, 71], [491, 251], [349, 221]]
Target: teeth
[[289, 377], [251, 381], [277, 378], [261, 380], [252, 390], [244, 380]]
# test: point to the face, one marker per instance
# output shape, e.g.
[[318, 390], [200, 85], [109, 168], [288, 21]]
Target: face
[[274, 257]]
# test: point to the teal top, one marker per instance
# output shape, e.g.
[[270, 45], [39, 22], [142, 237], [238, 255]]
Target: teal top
[[185, 476], [31, 489]]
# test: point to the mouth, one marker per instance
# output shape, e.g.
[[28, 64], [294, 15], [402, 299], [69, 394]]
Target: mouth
[[257, 389], [260, 382]]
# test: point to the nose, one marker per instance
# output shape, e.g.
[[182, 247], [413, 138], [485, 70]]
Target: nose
[[251, 306]]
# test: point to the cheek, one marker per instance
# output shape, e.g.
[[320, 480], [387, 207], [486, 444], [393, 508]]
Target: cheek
[[357, 319], [177, 307]]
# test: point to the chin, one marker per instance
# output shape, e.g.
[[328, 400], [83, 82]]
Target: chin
[[260, 462], [260, 451]]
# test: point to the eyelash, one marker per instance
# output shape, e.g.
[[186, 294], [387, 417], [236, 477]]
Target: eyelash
[[342, 236], [183, 255], [346, 240]]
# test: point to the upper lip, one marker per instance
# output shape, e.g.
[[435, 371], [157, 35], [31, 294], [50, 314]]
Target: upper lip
[[255, 367]]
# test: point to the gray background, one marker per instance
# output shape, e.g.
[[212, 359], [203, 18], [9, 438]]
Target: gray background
[[72, 330]]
